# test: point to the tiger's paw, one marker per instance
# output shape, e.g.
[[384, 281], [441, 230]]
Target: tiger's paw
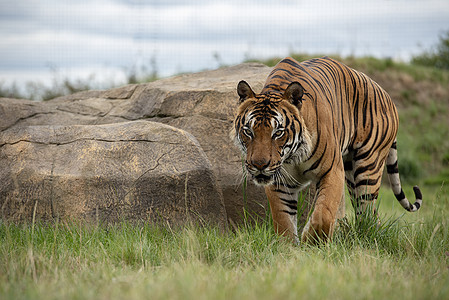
[[313, 234]]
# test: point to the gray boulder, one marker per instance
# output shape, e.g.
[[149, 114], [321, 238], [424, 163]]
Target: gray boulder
[[126, 171]]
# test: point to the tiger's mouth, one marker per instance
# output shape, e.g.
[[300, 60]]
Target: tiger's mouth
[[263, 179]]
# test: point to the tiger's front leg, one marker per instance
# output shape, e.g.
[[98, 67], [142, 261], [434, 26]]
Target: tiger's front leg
[[329, 194], [284, 208]]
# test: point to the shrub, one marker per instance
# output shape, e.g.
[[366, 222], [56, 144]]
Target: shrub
[[437, 57]]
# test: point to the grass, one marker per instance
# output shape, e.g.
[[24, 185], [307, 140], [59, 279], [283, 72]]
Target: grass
[[427, 156], [407, 256]]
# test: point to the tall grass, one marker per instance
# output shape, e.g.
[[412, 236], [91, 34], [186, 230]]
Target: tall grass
[[403, 256]]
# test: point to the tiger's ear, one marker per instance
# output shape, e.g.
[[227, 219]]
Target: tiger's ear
[[244, 91], [294, 93]]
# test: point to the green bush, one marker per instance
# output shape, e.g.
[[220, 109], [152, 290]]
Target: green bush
[[409, 169], [437, 57]]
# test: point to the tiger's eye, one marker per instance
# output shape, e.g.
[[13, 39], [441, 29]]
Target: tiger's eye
[[278, 133], [248, 132]]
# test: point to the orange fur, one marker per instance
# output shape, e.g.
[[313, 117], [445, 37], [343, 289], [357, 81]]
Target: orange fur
[[317, 122]]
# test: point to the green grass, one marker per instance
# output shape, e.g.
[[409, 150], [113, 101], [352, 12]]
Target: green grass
[[423, 143], [405, 257]]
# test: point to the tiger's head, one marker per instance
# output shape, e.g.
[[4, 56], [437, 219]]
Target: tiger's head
[[270, 131]]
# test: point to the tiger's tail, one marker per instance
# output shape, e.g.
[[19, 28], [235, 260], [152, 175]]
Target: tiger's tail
[[395, 181]]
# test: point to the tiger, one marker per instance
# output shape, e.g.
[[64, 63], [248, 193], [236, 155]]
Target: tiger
[[318, 123]]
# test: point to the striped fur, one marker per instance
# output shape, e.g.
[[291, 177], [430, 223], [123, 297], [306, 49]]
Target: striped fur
[[318, 122]]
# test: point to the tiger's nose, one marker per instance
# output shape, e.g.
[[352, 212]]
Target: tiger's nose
[[260, 164]]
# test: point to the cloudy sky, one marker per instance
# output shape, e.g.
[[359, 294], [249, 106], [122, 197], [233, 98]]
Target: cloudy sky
[[77, 38]]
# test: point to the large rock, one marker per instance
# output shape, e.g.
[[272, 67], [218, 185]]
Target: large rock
[[202, 104], [128, 171]]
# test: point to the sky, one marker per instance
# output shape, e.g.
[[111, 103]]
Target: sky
[[105, 39]]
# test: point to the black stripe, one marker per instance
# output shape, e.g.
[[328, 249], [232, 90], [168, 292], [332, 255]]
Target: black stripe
[[400, 196], [279, 77], [291, 63], [364, 169], [282, 192], [393, 168], [317, 162], [418, 194], [287, 119], [289, 212], [348, 165], [293, 207], [368, 140], [318, 185], [363, 155], [292, 202], [367, 182], [394, 145], [283, 70], [273, 86]]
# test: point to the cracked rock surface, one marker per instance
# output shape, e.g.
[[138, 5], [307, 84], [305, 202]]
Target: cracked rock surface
[[125, 171], [154, 151]]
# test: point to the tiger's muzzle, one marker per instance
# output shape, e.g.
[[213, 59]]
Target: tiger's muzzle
[[261, 172]]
